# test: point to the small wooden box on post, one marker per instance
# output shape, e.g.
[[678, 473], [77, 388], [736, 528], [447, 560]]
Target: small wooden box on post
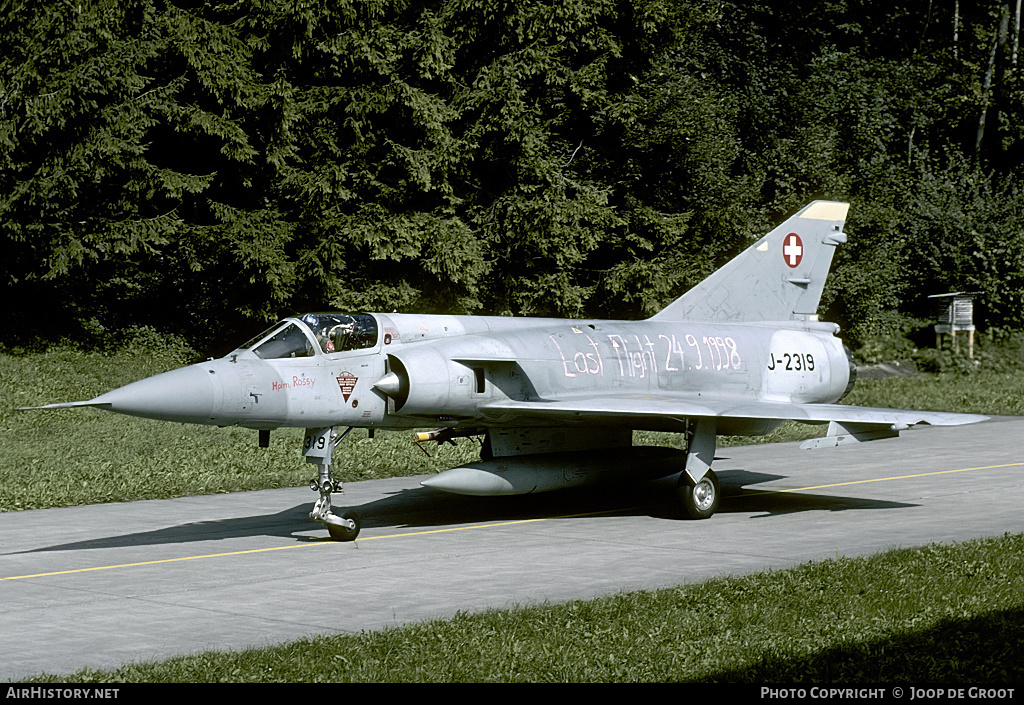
[[955, 313]]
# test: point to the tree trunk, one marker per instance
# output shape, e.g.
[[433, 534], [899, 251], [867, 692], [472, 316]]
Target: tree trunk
[[1000, 37], [1016, 36]]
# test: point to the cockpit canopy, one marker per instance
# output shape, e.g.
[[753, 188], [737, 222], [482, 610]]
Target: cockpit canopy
[[327, 332]]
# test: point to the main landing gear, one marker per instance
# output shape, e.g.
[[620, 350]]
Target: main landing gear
[[698, 490], [318, 448]]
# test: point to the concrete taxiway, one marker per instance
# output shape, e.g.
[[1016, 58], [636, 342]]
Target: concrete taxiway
[[102, 585]]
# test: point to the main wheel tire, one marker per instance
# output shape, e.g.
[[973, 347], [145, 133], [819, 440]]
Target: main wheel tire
[[341, 533], [699, 499]]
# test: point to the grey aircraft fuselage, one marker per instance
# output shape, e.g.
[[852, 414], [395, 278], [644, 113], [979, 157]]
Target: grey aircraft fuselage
[[457, 364]]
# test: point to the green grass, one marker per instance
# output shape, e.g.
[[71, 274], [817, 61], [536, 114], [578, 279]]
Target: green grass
[[87, 456], [939, 614]]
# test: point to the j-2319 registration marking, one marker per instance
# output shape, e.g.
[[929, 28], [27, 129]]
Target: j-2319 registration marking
[[791, 362]]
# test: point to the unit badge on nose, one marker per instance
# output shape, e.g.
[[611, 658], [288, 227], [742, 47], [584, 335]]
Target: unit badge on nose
[[347, 383]]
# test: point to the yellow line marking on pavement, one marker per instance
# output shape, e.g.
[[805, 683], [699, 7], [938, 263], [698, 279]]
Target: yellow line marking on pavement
[[461, 528], [156, 562], [879, 479], [323, 542]]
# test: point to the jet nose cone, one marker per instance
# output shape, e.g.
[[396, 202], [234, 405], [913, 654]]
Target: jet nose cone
[[189, 394]]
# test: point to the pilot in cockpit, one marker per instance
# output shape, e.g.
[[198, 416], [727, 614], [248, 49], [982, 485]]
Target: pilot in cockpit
[[337, 336], [331, 332]]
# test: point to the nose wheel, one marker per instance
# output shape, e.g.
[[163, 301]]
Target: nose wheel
[[318, 447], [341, 528], [348, 529]]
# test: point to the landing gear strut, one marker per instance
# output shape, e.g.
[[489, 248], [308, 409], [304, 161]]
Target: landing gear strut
[[698, 490], [318, 448]]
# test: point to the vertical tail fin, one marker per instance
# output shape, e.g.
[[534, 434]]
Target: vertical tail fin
[[780, 277]]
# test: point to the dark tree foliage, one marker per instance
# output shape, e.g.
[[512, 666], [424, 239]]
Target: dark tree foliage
[[205, 167]]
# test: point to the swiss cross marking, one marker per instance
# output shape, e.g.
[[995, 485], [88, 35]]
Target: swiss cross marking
[[793, 250]]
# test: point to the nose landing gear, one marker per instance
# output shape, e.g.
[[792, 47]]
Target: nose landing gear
[[318, 448]]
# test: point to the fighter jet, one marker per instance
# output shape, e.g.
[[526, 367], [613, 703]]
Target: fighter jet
[[556, 400]]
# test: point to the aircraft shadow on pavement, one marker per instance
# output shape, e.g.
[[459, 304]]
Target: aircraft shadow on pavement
[[414, 508], [284, 523], [738, 497], [423, 508]]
